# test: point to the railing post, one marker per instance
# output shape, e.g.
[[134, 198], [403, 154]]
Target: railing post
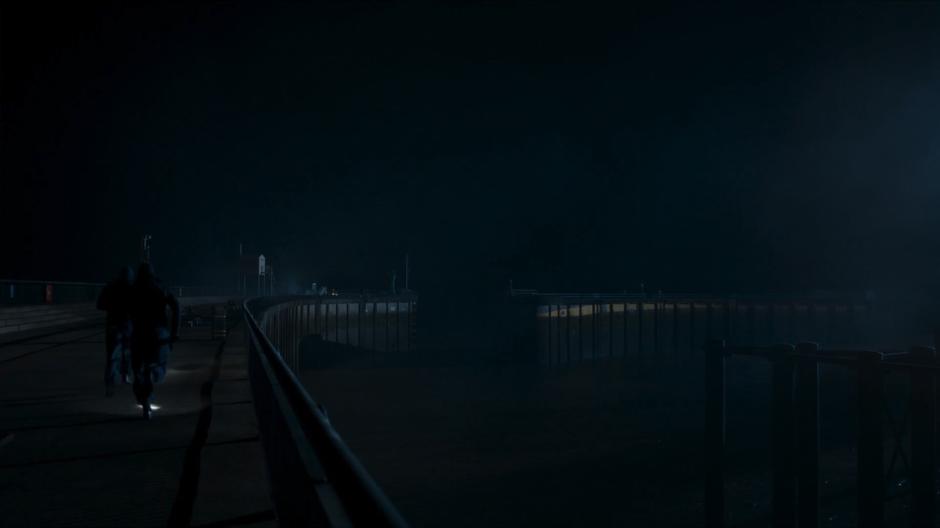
[[715, 434], [548, 339], [656, 330], [567, 334], [708, 320], [792, 325], [594, 307], [639, 332], [675, 332], [751, 323], [626, 331], [923, 439], [871, 484], [782, 438], [580, 332], [772, 321], [727, 320], [610, 330], [807, 415]]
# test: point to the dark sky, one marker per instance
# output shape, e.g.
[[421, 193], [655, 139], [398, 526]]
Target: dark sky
[[694, 148]]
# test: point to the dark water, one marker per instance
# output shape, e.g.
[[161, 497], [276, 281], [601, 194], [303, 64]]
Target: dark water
[[516, 445], [587, 445]]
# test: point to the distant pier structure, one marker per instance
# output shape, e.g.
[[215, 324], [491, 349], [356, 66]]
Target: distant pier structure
[[564, 328]]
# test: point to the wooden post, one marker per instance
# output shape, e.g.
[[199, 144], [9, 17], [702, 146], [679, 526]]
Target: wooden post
[[807, 426], [871, 411], [782, 438], [715, 434], [923, 439]]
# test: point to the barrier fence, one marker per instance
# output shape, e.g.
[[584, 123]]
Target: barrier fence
[[377, 323], [315, 479], [795, 431], [572, 328]]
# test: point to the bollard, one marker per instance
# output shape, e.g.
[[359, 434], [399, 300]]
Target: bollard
[[782, 438], [715, 434], [923, 439], [691, 329], [871, 484], [807, 429]]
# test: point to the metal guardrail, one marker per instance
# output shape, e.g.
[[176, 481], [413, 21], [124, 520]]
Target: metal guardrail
[[795, 430], [315, 478], [573, 328]]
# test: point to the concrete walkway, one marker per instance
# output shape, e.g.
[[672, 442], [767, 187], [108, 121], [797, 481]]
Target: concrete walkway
[[71, 457]]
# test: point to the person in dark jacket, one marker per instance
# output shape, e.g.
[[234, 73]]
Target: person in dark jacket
[[154, 332], [115, 300]]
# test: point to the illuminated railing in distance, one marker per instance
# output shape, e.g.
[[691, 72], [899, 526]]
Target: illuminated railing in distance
[[576, 327], [315, 479]]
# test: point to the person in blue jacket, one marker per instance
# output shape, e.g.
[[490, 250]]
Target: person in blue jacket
[[115, 300], [155, 314]]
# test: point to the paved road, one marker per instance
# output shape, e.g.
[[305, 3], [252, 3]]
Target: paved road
[[71, 457]]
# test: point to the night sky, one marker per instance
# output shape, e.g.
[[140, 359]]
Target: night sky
[[699, 148]]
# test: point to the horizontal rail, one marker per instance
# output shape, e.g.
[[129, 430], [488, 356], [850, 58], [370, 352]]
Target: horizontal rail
[[308, 462], [795, 438], [849, 358]]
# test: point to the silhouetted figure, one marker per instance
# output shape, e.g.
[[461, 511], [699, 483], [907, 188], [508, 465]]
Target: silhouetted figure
[[115, 299], [154, 332]]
